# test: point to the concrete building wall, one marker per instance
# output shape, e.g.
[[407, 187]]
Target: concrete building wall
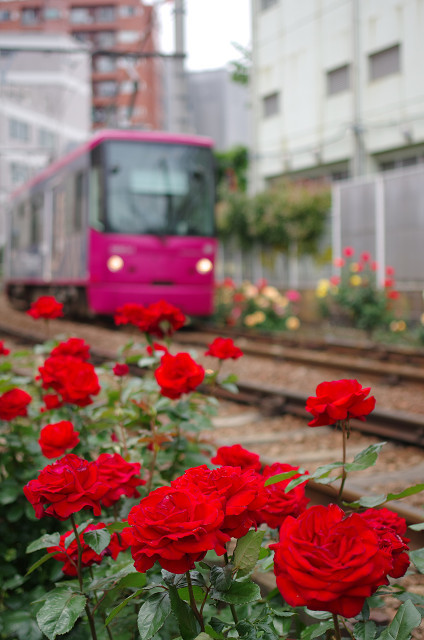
[[337, 87]]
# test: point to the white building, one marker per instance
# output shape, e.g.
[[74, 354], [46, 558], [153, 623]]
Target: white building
[[45, 104], [337, 87]]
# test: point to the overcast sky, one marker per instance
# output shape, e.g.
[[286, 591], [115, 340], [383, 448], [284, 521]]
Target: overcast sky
[[210, 28]]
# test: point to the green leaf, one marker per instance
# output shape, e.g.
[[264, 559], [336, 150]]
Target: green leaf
[[221, 577], [10, 490], [47, 540], [417, 527], [60, 612], [229, 386], [417, 557], [406, 619], [121, 606], [80, 529], [238, 593], [410, 491], [187, 623], [366, 458], [198, 593], [368, 501], [117, 526], [203, 636], [365, 630], [97, 540], [153, 614], [316, 630], [280, 476], [246, 553], [39, 562]]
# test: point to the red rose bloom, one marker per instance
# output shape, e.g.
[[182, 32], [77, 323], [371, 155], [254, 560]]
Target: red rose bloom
[[178, 374], [65, 487], [75, 347], [3, 350], [120, 369], [135, 314], [339, 400], [241, 494], [328, 562], [52, 401], [165, 319], [46, 307], [348, 252], [156, 347], [175, 528], [56, 438], [119, 476], [73, 379], [223, 348], [279, 504], [390, 529], [69, 555], [14, 403], [236, 456]]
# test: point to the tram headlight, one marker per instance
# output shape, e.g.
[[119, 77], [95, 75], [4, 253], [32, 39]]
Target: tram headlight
[[204, 265], [115, 263]]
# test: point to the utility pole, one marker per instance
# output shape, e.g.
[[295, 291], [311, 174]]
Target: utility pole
[[180, 93]]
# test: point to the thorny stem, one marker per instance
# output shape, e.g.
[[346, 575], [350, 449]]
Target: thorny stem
[[193, 602], [232, 607], [345, 434], [87, 608], [109, 632], [337, 633], [154, 456]]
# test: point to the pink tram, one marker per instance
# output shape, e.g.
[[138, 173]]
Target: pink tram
[[126, 217]]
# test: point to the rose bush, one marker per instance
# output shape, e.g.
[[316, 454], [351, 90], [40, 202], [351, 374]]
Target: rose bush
[[168, 535]]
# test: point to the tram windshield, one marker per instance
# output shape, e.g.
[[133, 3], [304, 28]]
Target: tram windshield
[[158, 189]]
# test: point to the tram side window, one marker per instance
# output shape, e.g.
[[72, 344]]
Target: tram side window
[[36, 218]]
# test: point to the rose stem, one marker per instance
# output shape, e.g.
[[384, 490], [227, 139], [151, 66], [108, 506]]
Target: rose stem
[[232, 607], [87, 608], [336, 627], [193, 602], [345, 431]]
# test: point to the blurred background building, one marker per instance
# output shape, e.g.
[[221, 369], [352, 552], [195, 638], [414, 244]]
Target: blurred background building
[[121, 35], [337, 88], [45, 104]]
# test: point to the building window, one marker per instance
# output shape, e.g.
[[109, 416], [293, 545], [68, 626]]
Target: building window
[[105, 89], [5, 15], [104, 14], [82, 36], [30, 16], [18, 130], [104, 39], [51, 13], [19, 173], [80, 15], [104, 64], [384, 63], [126, 11], [265, 4], [338, 80], [46, 139], [400, 163], [128, 37], [271, 104]]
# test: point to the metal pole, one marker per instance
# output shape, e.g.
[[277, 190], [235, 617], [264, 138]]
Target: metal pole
[[180, 81]]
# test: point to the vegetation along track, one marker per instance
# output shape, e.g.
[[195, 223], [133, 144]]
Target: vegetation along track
[[273, 423]]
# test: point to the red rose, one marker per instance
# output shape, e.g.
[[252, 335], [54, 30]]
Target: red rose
[[56, 438], [46, 307], [178, 374], [241, 493], [69, 555], [3, 350], [348, 252], [165, 319], [339, 400], [223, 348], [14, 403], [236, 456], [328, 562], [73, 379], [65, 487], [52, 401], [390, 529], [120, 369], [75, 347], [279, 504], [175, 528], [135, 314], [120, 477], [156, 347]]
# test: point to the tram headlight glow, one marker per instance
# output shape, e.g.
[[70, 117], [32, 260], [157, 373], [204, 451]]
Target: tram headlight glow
[[204, 265], [115, 263]]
